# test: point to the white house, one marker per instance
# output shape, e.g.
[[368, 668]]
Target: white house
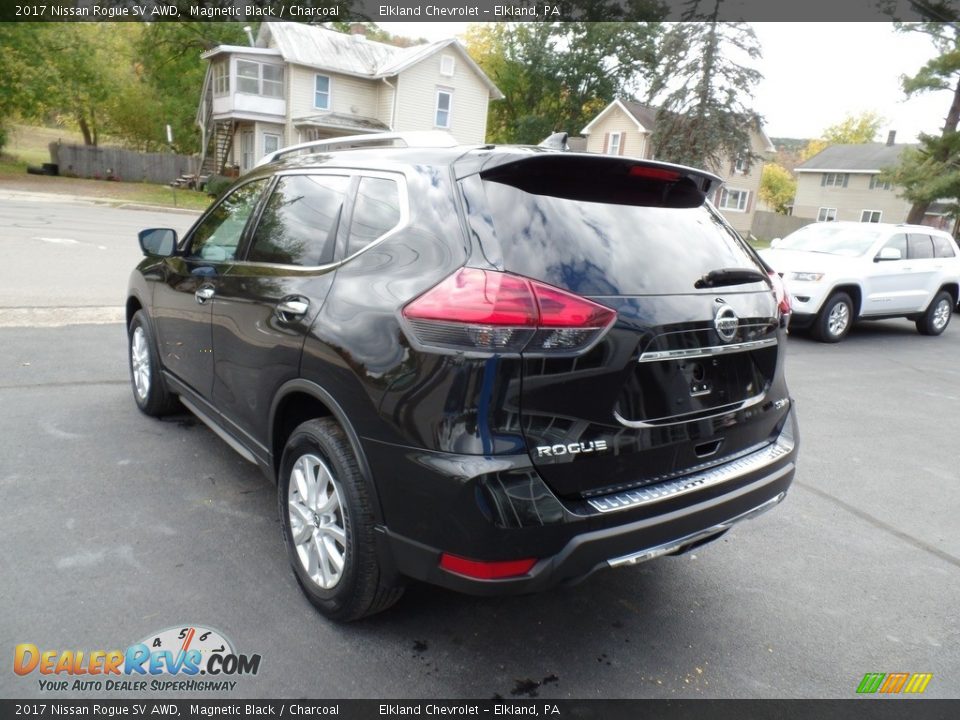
[[305, 82]]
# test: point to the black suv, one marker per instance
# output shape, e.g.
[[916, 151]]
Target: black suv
[[496, 369]]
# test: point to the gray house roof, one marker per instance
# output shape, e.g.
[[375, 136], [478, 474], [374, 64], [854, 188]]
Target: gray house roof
[[319, 47], [864, 158]]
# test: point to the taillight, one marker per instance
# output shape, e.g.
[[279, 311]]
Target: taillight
[[781, 294], [491, 311]]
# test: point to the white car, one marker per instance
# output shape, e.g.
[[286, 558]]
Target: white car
[[840, 272]]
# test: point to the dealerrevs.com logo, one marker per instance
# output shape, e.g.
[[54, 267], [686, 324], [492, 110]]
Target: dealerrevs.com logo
[[186, 658], [894, 683]]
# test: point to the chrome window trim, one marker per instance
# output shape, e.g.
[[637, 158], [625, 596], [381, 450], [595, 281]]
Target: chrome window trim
[[349, 173]]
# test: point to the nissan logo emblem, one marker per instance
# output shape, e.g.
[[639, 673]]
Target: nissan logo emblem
[[726, 323]]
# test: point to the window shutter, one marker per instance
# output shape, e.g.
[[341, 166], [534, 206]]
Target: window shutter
[[749, 206], [623, 141], [606, 142], [846, 176]]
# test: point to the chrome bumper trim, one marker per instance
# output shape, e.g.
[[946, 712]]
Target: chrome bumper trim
[[675, 545], [690, 483]]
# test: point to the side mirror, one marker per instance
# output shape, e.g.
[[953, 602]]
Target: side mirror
[[775, 242], [888, 253], [159, 242]]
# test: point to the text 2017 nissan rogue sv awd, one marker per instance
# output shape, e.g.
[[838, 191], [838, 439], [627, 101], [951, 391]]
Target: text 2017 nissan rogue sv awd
[[496, 369]]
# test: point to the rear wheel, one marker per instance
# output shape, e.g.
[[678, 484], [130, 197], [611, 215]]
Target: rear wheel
[[328, 525], [149, 390], [835, 319], [937, 315]]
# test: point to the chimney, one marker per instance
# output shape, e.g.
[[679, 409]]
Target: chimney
[[249, 31], [891, 136]]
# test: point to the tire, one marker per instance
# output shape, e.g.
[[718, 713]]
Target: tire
[[146, 379], [330, 536], [835, 319], [937, 315]]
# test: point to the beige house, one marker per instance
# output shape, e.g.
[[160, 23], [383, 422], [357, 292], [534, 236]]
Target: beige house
[[303, 82], [842, 182], [626, 128]]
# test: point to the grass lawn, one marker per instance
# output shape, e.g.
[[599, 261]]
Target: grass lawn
[[28, 146]]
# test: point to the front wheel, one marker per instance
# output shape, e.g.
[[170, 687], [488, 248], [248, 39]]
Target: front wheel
[[328, 525], [149, 390], [937, 315], [835, 319]]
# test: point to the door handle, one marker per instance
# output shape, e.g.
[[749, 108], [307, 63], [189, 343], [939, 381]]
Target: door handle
[[292, 308], [204, 293]]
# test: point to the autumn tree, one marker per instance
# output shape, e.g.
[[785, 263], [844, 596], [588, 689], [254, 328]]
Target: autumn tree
[[777, 187], [852, 130], [558, 76], [703, 89]]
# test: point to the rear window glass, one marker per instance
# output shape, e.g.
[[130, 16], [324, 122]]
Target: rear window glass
[[943, 246], [598, 248]]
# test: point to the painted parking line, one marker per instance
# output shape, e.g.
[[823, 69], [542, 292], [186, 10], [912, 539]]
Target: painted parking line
[[59, 316]]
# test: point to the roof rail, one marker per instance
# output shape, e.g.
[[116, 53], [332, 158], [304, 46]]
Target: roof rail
[[426, 138]]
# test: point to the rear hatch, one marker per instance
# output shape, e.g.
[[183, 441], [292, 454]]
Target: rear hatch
[[690, 374]]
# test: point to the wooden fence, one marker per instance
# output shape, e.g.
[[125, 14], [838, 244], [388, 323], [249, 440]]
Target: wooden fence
[[108, 163]]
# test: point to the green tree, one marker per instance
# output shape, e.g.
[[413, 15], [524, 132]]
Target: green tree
[[932, 171], [557, 76], [702, 90], [777, 187]]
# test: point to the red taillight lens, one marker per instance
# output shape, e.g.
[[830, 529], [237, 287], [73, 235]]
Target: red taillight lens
[[487, 310], [486, 570], [781, 294]]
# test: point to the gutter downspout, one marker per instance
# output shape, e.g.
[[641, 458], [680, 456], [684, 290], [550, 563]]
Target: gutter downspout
[[393, 109]]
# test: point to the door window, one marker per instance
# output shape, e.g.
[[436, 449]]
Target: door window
[[919, 246], [899, 242], [216, 236], [299, 223]]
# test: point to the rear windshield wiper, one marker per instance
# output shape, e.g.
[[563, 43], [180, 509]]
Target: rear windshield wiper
[[729, 276]]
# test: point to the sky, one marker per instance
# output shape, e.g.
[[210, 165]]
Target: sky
[[815, 74]]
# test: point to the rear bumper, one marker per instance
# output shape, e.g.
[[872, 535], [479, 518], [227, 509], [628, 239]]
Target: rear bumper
[[581, 539]]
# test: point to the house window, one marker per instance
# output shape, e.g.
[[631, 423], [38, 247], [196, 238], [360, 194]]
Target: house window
[[735, 200], [321, 92], [221, 79], [271, 143], [256, 78], [834, 180], [740, 165], [447, 65], [827, 214], [444, 105], [870, 216], [615, 146], [246, 150], [876, 184]]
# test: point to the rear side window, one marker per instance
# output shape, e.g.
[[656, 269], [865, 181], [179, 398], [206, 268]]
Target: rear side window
[[943, 247], [299, 223], [377, 211], [919, 246], [572, 239]]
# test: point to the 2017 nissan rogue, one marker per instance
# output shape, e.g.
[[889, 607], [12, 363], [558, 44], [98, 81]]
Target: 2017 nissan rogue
[[496, 369]]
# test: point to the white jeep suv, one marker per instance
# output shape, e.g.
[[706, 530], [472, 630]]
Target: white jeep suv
[[839, 272]]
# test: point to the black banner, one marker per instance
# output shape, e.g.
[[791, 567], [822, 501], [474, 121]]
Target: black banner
[[854, 709], [479, 10]]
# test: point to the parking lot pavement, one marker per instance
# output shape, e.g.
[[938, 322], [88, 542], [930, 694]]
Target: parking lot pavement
[[115, 526]]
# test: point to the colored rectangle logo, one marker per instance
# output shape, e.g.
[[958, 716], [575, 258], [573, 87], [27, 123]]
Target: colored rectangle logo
[[894, 683]]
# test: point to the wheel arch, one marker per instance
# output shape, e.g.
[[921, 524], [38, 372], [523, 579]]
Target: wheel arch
[[300, 400], [133, 305], [954, 290], [855, 293]]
